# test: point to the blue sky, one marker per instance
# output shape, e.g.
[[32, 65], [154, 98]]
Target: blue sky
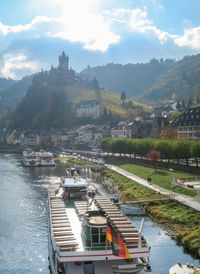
[[94, 32]]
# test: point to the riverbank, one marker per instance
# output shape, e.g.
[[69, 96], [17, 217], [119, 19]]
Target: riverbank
[[179, 220], [160, 177]]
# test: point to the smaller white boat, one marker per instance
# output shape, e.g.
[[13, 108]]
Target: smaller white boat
[[46, 158], [184, 269], [30, 158]]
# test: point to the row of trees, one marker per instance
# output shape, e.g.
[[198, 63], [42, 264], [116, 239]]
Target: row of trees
[[168, 149]]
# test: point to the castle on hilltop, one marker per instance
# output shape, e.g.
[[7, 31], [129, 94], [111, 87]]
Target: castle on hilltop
[[60, 75], [63, 75]]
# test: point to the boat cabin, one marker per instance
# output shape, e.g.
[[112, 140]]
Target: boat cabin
[[94, 229]]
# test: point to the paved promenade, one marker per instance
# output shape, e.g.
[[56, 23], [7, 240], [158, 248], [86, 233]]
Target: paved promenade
[[186, 200]]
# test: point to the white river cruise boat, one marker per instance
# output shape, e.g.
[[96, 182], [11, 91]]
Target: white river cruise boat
[[30, 158], [45, 158], [88, 234]]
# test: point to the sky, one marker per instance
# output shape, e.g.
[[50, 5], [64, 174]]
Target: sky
[[94, 32]]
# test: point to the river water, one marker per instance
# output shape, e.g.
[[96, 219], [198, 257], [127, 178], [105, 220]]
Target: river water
[[23, 220]]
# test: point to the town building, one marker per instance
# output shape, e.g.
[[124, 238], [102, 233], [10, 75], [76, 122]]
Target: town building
[[89, 109], [188, 124], [121, 131]]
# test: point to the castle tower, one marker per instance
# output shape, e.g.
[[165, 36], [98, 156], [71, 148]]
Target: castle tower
[[63, 63]]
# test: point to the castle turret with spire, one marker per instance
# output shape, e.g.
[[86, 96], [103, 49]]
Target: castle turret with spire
[[63, 63]]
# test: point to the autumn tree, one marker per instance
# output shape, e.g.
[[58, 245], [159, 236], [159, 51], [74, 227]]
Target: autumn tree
[[168, 134], [153, 156]]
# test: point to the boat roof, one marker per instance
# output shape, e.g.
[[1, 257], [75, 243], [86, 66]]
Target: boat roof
[[75, 182]]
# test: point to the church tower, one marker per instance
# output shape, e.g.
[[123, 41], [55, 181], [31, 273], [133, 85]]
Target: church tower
[[63, 63]]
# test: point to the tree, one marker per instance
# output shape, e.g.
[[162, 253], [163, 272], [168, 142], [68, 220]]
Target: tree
[[197, 98], [183, 103], [178, 106], [153, 156], [168, 134], [190, 102], [173, 96], [195, 150], [123, 96]]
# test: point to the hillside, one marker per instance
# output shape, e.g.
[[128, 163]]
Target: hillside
[[4, 83], [151, 82], [182, 80], [13, 92], [134, 79], [50, 106]]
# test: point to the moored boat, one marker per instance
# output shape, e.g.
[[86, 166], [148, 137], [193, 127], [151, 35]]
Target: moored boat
[[30, 158], [184, 269], [88, 234], [45, 158]]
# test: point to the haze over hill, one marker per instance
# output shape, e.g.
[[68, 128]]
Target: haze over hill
[[151, 82], [148, 83], [53, 95], [12, 93]]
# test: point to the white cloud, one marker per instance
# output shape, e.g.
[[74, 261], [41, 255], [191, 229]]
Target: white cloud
[[190, 38], [78, 21], [14, 66], [138, 21], [5, 29], [81, 21], [96, 28]]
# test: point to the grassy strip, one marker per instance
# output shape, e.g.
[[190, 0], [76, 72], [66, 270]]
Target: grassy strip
[[76, 161], [190, 241], [159, 176], [129, 188], [184, 220]]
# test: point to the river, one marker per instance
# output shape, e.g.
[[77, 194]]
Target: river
[[23, 221]]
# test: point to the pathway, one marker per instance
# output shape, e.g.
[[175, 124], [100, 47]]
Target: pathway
[[186, 200]]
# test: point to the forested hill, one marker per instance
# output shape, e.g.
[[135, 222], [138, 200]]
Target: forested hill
[[48, 105], [151, 82], [181, 81], [134, 79], [13, 92], [4, 83]]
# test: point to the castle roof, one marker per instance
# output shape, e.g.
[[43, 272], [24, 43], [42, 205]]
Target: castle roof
[[88, 103]]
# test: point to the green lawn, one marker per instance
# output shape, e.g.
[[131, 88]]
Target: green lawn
[[159, 177], [131, 189]]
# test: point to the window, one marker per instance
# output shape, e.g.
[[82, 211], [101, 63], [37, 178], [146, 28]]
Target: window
[[95, 235]]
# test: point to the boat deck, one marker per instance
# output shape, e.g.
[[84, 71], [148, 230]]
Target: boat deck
[[61, 225], [66, 221], [126, 229]]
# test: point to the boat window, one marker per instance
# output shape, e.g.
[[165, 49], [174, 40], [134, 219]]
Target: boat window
[[95, 230], [95, 235], [103, 232]]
